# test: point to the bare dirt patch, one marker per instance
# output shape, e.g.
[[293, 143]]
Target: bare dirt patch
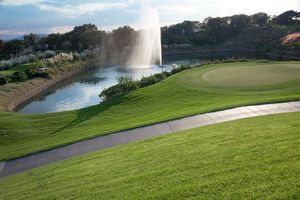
[[293, 37]]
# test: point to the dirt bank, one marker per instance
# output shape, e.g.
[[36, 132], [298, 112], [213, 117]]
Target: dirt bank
[[21, 93]]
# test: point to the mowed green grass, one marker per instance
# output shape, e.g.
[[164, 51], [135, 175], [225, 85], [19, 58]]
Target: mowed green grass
[[251, 77], [21, 67], [184, 94], [255, 158]]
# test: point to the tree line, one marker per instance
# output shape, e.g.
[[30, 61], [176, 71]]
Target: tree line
[[217, 30], [211, 31]]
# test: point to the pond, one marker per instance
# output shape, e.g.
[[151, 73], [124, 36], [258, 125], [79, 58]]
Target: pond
[[83, 90]]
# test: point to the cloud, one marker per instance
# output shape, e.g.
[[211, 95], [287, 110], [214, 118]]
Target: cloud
[[67, 10], [174, 11], [21, 2], [230, 7], [178, 9], [61, 16], [81, 9], [59, 29], [11, 32]]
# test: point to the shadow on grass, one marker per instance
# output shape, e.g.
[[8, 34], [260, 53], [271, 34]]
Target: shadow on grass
[[85, 114]]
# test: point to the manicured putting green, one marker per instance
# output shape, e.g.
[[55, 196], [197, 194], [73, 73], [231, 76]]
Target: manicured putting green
[[253, 77]]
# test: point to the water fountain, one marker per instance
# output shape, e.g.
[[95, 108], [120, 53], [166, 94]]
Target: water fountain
[[147, 50], [143, 59]]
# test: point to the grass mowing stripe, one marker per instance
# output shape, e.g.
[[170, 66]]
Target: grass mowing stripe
[[245, 159], [178, 96]]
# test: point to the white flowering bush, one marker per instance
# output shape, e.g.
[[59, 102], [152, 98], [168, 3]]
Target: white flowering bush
[[59, 58], [86, 53], [6, 64], [90, 53], [45, 54], [76, 56], [49, 57], [25, 57], [26, 52]]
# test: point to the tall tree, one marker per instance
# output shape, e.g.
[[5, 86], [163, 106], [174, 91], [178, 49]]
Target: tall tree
[[30, 40], [54, 41], [239, 22], [74, 36], [2, 54], [260, 19], [218, 28], [92, 39], [287, 18], [12, 47], [122, 37]]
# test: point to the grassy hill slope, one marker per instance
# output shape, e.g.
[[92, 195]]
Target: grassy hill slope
[[180, 95], [256, 158]]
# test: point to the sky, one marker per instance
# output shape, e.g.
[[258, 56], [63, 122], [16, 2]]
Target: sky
[[19, 17]]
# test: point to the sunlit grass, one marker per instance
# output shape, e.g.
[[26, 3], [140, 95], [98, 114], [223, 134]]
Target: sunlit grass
[[175, 97], [256, 158], [21, 67]]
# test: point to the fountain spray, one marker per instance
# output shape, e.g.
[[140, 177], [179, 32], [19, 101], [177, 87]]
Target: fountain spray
[[147, 50]]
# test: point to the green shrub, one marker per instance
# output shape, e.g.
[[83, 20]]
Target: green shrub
[[19, 76], [150, 80], [30, 73], [180, 69], [4, 80], [127, 84], [124, 86], [167, 74]]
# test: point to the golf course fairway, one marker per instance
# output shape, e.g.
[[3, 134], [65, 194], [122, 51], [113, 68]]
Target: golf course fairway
[[199, 90], [255, 158]]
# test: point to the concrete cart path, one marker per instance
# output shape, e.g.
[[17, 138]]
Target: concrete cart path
[[39, 159]]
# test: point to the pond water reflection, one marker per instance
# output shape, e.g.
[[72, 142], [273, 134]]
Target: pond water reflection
[[83, 90]]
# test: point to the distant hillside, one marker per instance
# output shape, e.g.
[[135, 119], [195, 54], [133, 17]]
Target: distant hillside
[[18, 37]]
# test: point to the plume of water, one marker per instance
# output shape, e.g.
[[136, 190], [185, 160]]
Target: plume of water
[[147, 49]]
